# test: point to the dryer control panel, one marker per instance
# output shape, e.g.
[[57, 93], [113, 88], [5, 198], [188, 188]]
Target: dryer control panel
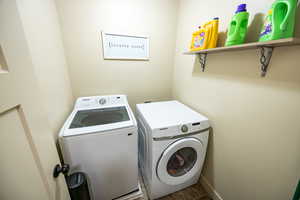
[[184, 129]]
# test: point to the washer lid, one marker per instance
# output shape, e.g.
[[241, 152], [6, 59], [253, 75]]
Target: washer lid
[[83, 121], [99, 116], [181, 161]]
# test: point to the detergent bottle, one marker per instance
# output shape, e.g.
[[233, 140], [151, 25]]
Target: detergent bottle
[[238, 26], [214, 30], [280, 21], [206, 37]]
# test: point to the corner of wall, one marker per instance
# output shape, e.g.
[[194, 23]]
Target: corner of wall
[[210, 189]]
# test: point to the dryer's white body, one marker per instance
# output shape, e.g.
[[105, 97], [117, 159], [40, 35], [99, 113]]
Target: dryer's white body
[[160, 137]]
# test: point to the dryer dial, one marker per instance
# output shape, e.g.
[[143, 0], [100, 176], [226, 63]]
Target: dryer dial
[[102, 101], [184, 128]]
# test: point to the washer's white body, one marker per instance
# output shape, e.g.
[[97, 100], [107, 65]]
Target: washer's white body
[[102, 142], [161, 137]]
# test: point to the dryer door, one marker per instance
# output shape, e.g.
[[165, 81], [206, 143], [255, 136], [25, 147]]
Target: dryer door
[[181, 161]]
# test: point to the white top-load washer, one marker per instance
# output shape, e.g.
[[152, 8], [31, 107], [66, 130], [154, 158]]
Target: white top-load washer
[[99, 138], [172, 146]]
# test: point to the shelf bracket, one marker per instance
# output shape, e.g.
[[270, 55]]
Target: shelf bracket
[[265, 57], [202, 60]]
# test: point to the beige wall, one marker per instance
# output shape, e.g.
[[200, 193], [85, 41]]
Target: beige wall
[[42, 31], [82, 23], [254, 147]]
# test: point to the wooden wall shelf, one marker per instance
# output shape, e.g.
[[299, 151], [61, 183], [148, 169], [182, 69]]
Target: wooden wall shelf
[[265, 47]]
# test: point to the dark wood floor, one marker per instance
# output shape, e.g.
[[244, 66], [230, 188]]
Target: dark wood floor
[[194, 192]]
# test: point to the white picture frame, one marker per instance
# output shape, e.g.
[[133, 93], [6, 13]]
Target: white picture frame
[[124, 47]]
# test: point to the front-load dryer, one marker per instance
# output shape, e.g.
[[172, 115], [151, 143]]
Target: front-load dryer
[[172, 146]]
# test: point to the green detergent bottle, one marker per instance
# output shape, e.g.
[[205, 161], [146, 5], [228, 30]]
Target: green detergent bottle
[[238, 26], [280, 21]]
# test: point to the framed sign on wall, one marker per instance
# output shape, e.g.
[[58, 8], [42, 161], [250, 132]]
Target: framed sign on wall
[[125, 47]]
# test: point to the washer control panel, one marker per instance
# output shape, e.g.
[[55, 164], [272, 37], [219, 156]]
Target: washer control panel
[[96, 101]]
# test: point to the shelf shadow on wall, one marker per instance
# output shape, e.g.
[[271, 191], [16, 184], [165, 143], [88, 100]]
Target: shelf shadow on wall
[[245, 66], [254, 28]]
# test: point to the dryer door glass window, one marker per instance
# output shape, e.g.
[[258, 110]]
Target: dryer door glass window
[[181, 162], [94, 117]]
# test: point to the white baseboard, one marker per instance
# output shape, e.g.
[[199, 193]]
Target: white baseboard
[[210, 189]]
